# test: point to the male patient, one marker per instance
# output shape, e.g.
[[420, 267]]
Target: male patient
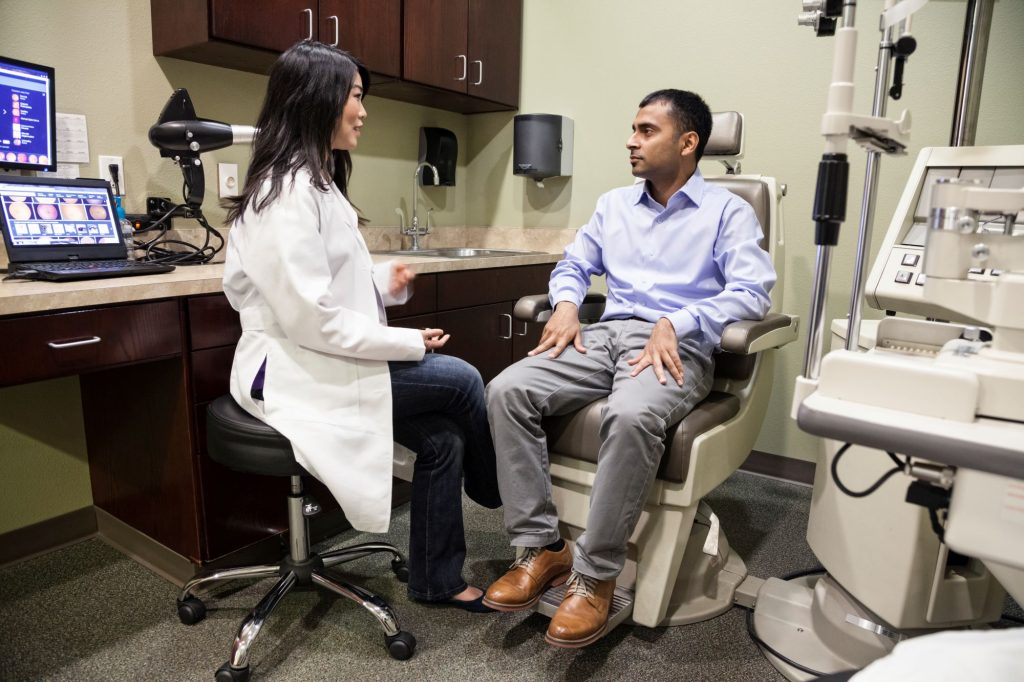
[[682, 260]]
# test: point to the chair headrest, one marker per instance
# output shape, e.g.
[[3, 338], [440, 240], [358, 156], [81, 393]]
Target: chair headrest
[[726, 141]]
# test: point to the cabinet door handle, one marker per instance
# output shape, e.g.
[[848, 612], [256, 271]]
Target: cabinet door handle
[[337, 37], [309, 23], [465, 67], [58, 345], [526, 330], [480, 78], [509, 335]]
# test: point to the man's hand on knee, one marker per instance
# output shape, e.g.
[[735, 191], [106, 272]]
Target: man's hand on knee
[[562, 329], [661, 351]]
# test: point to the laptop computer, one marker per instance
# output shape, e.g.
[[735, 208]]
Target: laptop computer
[[62, 230]]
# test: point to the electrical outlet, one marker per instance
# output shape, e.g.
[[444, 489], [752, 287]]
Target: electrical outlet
[[228, 176], [104, 163]]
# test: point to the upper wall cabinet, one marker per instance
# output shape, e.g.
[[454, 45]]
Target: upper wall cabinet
[[247, 35], [465, 46], [461, 55]]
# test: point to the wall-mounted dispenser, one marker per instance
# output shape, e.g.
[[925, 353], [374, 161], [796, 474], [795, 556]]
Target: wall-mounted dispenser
[[542, 146], [440, 149]]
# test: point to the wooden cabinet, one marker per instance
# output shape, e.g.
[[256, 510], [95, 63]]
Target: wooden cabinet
[[466, 46], [72, 342], [249, 36], [153, 368], [475, 306], [461, 55]]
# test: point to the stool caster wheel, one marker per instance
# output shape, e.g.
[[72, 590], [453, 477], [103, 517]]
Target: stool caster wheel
[[401, 570], [226, 673], [402, 646], [191, 611]]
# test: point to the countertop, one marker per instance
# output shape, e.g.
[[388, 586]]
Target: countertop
[[25, 296]]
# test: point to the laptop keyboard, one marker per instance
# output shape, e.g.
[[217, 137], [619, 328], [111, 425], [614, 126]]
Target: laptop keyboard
[[87, 266]]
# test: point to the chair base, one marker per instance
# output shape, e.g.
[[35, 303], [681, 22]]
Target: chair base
[[310, 571]]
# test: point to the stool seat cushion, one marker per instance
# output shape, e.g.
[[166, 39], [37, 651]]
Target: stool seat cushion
[[242, 442]]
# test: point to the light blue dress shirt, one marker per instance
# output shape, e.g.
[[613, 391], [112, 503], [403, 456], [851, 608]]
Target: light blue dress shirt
[[696, 261]]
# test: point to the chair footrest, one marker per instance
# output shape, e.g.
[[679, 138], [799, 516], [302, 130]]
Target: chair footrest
[[620, 609]]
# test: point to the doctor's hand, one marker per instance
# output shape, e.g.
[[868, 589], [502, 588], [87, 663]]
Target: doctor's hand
[[401, 276], [433, 339], [661, 351], [562, 329]]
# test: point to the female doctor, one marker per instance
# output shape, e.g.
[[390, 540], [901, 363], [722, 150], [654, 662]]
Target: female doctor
[[316, 359]]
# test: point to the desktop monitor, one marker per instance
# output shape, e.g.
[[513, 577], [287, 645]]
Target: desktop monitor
[[28, 117]]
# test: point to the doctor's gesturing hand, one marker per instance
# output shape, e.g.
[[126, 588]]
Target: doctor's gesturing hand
[[401, 277], [662, 350], [562, 328], [433, 339]]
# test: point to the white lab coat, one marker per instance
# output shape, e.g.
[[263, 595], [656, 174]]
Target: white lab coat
[[303, 282]]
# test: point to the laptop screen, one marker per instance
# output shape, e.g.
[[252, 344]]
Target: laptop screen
[[56, 219]]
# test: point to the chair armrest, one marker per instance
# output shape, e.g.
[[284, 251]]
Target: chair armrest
[[752, 336], [537, 308]]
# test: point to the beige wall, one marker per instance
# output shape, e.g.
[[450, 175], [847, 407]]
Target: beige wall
[[591, 60]]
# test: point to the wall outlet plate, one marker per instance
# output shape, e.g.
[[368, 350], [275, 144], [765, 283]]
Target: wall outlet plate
[[104, 164], [227, 174]]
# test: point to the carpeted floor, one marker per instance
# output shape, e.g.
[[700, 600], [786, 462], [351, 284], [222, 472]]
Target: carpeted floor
[[88, 613]]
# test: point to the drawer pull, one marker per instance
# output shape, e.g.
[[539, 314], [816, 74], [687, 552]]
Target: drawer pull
[[58, 345], [504, 316]]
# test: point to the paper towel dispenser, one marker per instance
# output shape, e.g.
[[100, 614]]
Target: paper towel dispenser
[[542, 146], [440, 149]]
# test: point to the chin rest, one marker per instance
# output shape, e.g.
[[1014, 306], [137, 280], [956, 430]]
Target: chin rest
[[681, 571]]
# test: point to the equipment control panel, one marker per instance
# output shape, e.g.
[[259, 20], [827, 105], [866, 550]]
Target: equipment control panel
[[896, 281]]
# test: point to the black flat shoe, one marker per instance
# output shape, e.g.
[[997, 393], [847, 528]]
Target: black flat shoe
[[473, 606]]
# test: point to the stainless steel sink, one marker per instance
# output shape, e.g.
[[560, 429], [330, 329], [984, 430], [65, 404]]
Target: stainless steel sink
[[459, 252]]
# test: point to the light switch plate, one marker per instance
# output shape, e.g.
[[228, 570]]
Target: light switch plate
[[228, 180]]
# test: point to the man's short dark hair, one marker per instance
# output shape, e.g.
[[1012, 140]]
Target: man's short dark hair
[[689, 111]]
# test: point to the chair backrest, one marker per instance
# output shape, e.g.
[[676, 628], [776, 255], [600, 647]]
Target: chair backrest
[[726, 144]]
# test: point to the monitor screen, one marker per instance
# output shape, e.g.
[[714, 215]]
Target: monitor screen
[[56, 219], [28, 118]]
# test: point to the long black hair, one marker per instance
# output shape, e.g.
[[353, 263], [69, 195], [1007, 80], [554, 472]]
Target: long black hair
[[308, 87]]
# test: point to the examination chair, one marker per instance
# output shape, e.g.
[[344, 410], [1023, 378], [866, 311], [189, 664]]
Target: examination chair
[[680, 568], [243, 443]]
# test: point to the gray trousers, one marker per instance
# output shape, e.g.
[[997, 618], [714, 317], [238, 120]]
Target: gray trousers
[[638, 413]]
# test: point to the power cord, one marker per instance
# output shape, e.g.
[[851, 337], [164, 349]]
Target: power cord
[[163, 249], [900, 466]]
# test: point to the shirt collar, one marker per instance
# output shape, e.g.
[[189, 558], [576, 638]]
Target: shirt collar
[[692, 190]]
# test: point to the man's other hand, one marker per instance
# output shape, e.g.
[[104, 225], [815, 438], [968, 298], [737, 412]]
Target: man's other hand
[[562, 328], [661, 351]]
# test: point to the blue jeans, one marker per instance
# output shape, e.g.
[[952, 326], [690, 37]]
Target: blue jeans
[[439, 413]]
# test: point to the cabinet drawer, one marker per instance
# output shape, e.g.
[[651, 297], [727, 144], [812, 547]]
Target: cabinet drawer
[[465, 288], [212, 322], [61, 344]]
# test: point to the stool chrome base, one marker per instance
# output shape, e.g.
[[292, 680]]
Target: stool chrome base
[[299, 567]]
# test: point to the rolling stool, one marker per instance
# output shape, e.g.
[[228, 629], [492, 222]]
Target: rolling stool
[[243, 443]]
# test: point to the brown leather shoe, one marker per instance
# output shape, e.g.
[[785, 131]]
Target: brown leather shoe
[[528, 578], [583, 616]]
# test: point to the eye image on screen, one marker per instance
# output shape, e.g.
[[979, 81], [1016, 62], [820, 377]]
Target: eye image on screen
[[46, 211]]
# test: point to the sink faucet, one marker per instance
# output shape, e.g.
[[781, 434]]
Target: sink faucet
[[414, 230]]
